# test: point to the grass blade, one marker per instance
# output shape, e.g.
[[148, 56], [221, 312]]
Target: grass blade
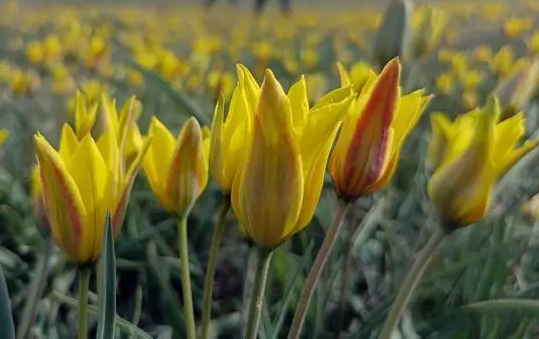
[[7, 331], [504, 305]]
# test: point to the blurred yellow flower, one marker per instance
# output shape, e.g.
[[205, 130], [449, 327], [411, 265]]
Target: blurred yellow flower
[[517, 90], [515, 27], [470, 79], [502, 63], [135, 78], [468, 156], [35, 52], [469, 98], [4, 134], [428, 24], [533, 43], [483, 53], [445, 83]]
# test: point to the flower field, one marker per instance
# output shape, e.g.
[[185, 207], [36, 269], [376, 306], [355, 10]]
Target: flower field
[[325, 170]]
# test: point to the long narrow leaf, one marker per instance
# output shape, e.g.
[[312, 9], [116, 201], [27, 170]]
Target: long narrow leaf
[[107, 297], [7, 331], [504, 305], [289, 293]]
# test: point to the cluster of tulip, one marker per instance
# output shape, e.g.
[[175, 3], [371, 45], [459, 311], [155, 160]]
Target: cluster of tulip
[[269, 156]]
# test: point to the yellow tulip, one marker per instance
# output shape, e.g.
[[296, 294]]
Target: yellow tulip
[[502, 63], [428, 26], [4, 134], [283, 156], [468, 156], [533, 43], [516, 91], [85, 115], [79, 184], [373, 132], [177, 170], [123, 121], [445, 83], [35, 52]]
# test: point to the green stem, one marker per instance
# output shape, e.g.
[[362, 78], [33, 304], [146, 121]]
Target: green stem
[[410, 283], [316, 270], [84, 283], [212, 261], [345, 282], [257, 295], [186, 278]]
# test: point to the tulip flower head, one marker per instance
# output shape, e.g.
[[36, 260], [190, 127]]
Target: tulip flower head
[[177, 170], [228, 137], [280, 177], [79, 184], [373, 132], [469, 155]]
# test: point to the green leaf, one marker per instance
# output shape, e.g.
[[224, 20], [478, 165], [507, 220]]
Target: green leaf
[[289, 293], [7, 331], [504, 305], [107, 297], [393, 36], [125, 326], [168, 298], [37, 287]]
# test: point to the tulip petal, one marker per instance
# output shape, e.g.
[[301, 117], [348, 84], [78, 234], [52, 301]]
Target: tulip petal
[[90, 174], [216, 140], [68, 143], [321, 124], [343, 75], [509, 132], [120, 205], [299, 102], [187, 176], [157, 160], [84, 117], [440, 137], [411, 107], [335, 96], [108, 117], [61, 197], [249, 87], [314, 182]]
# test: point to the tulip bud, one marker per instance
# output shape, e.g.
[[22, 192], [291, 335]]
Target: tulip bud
[[392, 38], [177, 170]]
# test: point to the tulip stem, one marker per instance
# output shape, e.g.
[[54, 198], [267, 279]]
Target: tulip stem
[[316, 271], [410, 282], [186, 278], [257, 295], [84, 283], [212, 260]]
